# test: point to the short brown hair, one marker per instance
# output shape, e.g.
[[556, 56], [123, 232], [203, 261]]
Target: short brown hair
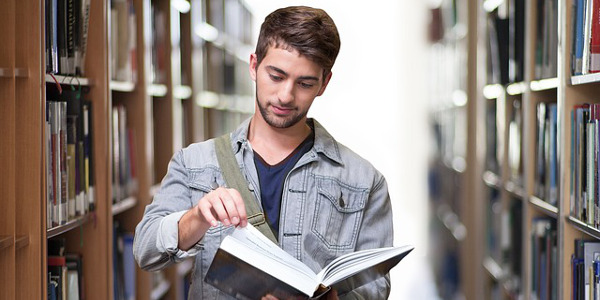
[[310, 31]]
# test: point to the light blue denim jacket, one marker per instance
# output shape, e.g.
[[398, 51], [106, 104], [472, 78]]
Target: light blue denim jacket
[[334, 202]]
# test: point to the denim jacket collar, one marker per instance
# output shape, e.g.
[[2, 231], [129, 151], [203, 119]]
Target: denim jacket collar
[[324, 142]]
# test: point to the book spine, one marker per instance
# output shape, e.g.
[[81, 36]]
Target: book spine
[[595, 38], [64, 180]]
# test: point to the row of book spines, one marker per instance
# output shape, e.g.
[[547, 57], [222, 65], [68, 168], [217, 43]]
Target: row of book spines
[[124, 266], [544, 253], [585, 270], [123, 41], [69, 180], [546, 52], [586, 37], [124, 175], [546, 179], [585, 151], [65, 277], [67, 23]]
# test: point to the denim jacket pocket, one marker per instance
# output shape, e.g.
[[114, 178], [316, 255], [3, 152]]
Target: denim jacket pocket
[[201, 182], [338, 213]]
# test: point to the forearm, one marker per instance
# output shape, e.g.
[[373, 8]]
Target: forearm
[[191, 229]]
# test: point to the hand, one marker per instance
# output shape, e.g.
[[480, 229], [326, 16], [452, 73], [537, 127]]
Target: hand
[[223, 205], [332, 295]]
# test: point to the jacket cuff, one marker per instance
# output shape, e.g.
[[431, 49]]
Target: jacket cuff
[[168, 237]]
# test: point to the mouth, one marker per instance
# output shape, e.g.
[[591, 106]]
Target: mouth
[[279, 110]]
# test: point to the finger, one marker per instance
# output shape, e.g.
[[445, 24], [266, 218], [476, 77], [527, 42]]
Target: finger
[[216, 201], [240, 207], [212, 205], [205, 210]]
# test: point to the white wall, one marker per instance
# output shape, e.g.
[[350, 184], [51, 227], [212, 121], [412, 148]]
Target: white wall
[[376, 104]]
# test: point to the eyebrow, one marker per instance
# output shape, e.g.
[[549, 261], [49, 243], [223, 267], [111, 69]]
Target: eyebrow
[[282, 72]]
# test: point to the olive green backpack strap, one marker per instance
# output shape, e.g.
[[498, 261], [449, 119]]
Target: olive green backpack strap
[[235, 180]]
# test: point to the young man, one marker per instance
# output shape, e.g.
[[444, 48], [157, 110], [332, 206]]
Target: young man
[[320, 199]]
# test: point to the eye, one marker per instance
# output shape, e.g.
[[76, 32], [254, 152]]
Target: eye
[[306, 85], [275, 77]]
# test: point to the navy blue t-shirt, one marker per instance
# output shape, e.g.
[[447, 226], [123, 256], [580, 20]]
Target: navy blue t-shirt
[[272, 178]]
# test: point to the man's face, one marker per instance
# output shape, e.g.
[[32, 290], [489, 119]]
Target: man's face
[[286, 86]]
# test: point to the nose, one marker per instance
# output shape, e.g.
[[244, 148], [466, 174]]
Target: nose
[[286, 92]]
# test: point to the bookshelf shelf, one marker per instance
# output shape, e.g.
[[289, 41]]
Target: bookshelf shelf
[[585, 79], [21, 242], [494, 269], [517, 88], [515, 189], [492, 180], [544, 206], [21, 73], [160, 290], [452, 222], [493, 91], [69, 80], [585, 228], [123, 205], [58, 230], [157, 90], [122, 86], [544, 84], [491, 5], [182, 92], [6, 72], [6, 242]]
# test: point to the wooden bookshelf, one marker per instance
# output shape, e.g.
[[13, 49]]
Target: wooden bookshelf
[[164, 117], [538, 191]]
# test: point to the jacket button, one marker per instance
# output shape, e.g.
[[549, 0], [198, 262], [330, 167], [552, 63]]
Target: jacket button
[[214, 185], [341, 202]]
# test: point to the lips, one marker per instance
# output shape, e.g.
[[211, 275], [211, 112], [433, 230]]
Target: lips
[[278, 110]]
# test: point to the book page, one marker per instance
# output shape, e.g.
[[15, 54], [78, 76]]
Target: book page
[[353, 263], [254, 248]]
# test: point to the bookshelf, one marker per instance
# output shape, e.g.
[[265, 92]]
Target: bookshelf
[[529, 170], [160, 116]]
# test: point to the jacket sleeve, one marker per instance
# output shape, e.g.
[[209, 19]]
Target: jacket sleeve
[[156, 236], [376, 232]]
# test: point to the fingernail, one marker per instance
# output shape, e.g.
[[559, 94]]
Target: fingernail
[[213, 223], [226, 221], [235, 220]]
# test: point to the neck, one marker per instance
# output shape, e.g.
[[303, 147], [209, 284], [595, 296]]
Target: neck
[[260, 131], [274, 144]]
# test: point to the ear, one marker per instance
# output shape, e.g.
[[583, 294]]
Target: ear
[[325, 83], [253, 66]]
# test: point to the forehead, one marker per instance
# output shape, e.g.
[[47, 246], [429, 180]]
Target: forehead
[[290, 61]]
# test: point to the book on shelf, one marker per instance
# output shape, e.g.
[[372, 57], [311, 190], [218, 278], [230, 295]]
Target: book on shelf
[[584, 163], [586, 37], [595, 38], [123, 264], [123, 40], [516, 40], [65, 272], [124, 180], [544, 258], [248, 265], [68, 163], [546, 44], [67, 24], [585, 264]]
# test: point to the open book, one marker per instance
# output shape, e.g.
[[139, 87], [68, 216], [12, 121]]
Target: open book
[[248, 265]]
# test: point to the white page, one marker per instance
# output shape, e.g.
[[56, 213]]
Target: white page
[[247, 242], [352, 263]]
